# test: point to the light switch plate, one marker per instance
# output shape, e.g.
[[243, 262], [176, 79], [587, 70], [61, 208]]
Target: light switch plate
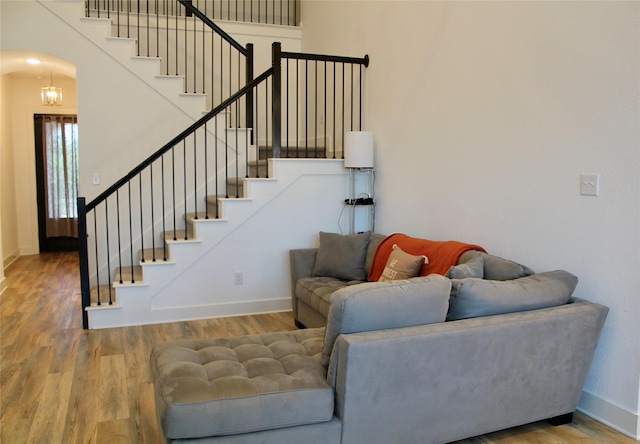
[[589, 184]]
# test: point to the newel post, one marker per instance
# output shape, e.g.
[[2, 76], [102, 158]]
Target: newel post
[[249, 78], [84, 260], [276, 101]]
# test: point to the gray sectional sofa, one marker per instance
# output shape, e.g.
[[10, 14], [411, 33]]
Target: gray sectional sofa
[[385, 367]]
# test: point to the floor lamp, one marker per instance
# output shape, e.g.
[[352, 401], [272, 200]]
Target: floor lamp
[[358, 156]]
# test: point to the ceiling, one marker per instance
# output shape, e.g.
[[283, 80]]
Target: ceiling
[[13, 64]]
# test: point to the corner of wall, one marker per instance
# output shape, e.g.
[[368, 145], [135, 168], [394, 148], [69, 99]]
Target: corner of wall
[[614, 416]]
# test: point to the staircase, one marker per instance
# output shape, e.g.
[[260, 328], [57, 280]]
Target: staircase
[[226, 251]]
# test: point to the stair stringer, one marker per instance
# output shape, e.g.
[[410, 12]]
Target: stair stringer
[[252, 238]]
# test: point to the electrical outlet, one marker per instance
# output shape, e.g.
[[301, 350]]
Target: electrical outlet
[[589, 184], [237, 278]]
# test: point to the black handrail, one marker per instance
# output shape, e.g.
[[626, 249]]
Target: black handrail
[[188, 4], [326, 58]]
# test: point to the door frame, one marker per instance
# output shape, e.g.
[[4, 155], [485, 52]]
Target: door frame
[[47, 243]]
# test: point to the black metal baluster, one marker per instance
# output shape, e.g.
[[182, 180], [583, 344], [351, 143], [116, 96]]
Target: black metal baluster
[[167, 45], [266, 126], [138, 30], [343, 93], [333, 123], [157, 29], [141, 217], [118, 22], [177, 34], [222, 71], [186, 44], [164, 210], [173, 189], [129, 21], [306, 108], [95, 239], [184, 167], [130, 232], [206, 173], [215, 164], [106, 212], [297, 106], [256, 123], [118, 233], [324, 119], [148, 38], [287, 110], [226, 152], [195, 176], [351, 128], [153, 219], [360, 99], [315, 104], [204, 47], [195, 51]]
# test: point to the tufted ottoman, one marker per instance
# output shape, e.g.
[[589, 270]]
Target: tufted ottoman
[[242, 384]]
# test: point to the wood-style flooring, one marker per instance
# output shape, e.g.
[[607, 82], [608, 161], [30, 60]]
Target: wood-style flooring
[[62, 384]]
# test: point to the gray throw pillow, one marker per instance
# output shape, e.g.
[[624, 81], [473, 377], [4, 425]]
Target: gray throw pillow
[[497, 268], [472, 269], [342, 256], [477, 297]]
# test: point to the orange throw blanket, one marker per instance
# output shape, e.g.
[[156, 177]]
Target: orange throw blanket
[[441, 254]]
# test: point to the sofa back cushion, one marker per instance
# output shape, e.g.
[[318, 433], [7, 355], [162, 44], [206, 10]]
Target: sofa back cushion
[[342, 256], [474, 297], [384, 305]]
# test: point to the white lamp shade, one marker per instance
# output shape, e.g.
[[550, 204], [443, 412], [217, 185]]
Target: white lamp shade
[[358, 149]]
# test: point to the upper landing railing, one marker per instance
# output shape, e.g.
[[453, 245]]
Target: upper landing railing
[[183, 34]]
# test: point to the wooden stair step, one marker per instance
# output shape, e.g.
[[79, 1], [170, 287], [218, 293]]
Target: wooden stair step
[[149, 254], [190, 217], [103, 293], [180, 235], [128, 274]]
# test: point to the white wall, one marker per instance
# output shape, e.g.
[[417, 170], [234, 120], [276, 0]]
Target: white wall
[[4, 106], [485, 114]]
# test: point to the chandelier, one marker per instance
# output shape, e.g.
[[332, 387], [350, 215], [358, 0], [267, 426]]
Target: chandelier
[[51, 95]]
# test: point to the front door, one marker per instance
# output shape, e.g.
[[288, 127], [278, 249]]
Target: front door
[[56, 139]]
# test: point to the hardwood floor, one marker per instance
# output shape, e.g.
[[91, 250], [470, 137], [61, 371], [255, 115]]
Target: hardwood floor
[[62, 384]]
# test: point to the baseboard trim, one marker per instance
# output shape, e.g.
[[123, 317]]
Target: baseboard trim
[[124, 315], [10, 259], [614, 416]]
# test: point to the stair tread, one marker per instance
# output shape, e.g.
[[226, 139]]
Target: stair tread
[[128, 274], [180, 236], [104, 295], [201, 216], [148, 254]]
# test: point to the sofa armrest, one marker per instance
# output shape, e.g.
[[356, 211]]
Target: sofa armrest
[[436, 380], [301, 262]]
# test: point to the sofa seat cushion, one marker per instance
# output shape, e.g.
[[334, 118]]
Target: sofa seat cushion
[[224, 386], [316, 291]]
